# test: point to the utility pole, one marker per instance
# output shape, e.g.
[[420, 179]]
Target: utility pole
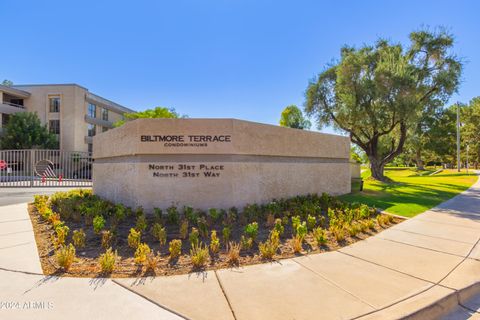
[[458, 136]]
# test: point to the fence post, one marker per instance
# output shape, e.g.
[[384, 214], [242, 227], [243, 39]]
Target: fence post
[[32, 163]]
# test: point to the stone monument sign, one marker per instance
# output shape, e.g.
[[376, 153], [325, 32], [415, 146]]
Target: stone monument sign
[[215, 163]]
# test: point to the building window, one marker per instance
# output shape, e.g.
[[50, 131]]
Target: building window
[[91, 129], [54, 103], [92, 110], [90, 147], [54, 126], [104, 129], [18, 102], [104, 114]]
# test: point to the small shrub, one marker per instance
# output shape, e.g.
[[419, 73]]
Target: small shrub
[[57, 224], [54, 219], [199, 255], [279, 226], [61, 232], [107, 239], [301, 230], [311, 222], [297, 242], [353, 229], [270, 247], [98, 223], [141, 253], [384, 219], [184, 229], [214, 242], [120, 212], [233, 254], [65, 256], [134, 238], [107, 260], [160, 233], [190, 214], [319, 236], [141, 224], [214, 214], [79, 238], [39, 200], [247, 242], [139, 211], [202, 227], [172, 215], [158, 214], [231, 216], [226, 232], [151, 261], [175, 248], [194, 237], [251, 230], [295, 222], [390, 218], [370, 224], [363, 226], [338, 232], [46, 212]]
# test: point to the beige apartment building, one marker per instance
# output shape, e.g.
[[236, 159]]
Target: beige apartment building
[[70, 111]]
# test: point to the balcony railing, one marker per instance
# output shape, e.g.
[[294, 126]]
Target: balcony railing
[[13, 104], [99, 122], [7, 107]]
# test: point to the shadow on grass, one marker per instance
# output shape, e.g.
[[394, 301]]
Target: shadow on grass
[[395, 194], [454, 175]]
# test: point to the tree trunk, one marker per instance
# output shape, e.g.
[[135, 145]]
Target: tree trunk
[[377, 167], [418, 159]]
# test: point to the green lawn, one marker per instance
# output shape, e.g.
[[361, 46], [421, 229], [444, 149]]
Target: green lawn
[[411, 193]]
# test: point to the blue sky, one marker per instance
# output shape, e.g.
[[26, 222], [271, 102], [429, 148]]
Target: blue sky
[[227, 58]]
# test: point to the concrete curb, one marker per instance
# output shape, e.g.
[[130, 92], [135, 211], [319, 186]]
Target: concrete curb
[[447, 304]]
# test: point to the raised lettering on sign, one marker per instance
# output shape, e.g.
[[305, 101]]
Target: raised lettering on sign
[[182, 138]]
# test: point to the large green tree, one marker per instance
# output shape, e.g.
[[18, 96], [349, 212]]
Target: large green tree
[[470, 131], [292, 117], [25, 131], [440, 137], [418, 137], [158, 112], [377, 93]]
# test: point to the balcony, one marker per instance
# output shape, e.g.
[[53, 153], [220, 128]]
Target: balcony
[[10, 108], [98, 122]]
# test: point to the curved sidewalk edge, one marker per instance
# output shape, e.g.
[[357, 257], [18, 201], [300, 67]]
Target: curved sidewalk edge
[[457, 296]]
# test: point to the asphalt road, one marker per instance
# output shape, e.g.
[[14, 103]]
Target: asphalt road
[[10, 196]]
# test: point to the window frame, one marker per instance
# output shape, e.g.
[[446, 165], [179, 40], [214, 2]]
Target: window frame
[[91, 128], [52, 108], [50, 127], [105, 114], [90, 109]]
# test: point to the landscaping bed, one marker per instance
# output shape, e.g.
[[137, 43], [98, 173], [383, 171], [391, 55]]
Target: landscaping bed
[[81, 235]]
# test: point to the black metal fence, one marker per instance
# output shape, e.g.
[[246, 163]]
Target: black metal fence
[[45, 168]]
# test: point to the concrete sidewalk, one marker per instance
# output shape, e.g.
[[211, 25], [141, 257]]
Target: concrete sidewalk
[[424, 267]]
